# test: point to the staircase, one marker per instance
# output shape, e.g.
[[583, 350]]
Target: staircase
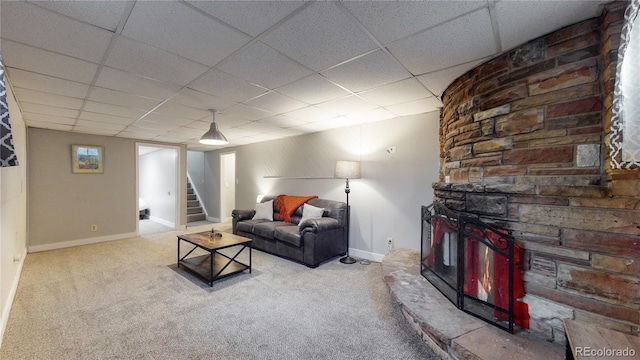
[[194, 209]]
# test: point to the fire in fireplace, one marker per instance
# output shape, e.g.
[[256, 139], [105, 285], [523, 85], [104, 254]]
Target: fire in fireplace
[[475, 265]]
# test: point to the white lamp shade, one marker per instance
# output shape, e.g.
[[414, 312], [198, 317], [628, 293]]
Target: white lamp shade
[[347, 169]]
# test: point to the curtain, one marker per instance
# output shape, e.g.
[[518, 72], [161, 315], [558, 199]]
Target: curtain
[[625, 121], [7, 152]]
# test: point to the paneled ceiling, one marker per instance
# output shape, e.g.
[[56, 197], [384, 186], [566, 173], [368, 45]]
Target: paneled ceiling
[[151, 70]]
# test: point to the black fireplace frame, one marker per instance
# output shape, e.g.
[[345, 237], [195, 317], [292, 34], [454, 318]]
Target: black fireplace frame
[[467, 226]]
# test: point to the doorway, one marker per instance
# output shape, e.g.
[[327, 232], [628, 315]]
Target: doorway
[[157, 188], [227, 185]]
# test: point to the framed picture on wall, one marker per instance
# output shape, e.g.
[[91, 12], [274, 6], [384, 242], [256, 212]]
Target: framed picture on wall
[[87, 159]]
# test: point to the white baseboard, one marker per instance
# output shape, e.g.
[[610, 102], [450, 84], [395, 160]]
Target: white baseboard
[[66, 244], [163, 222], [213, 219], [366, 255], [12, 294]]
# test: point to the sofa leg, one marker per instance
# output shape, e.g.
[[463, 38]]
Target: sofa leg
[[312, 266]]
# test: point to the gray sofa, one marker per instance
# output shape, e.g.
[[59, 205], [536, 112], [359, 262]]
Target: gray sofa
[[315, 241]]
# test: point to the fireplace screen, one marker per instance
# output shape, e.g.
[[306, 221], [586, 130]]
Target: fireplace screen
[[475, 265]]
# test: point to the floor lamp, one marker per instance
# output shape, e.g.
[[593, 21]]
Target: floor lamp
[[347, 170]]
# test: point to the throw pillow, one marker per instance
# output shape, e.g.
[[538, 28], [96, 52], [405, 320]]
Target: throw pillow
[[310, 212], [264, 211]]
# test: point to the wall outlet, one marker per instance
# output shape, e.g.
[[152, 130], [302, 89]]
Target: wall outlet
[[94, 227], [447, 179], [391, 150]]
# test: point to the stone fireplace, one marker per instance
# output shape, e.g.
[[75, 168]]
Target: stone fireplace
[[524, 145]]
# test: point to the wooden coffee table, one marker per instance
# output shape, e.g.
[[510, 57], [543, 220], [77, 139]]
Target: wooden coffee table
[[215, 265]]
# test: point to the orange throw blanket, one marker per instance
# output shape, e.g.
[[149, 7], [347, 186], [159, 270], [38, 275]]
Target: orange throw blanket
[[289, 204]]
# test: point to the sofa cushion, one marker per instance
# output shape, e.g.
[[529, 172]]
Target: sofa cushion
[[247, 225], [310, 212], [264, 211], [289, 234], [267, 228]]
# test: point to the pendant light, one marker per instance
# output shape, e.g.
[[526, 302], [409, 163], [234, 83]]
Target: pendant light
[[213, 136]]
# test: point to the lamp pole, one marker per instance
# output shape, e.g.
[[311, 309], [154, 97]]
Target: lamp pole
[[348, 259]]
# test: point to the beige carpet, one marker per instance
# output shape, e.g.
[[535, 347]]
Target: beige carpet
[[126, 300]]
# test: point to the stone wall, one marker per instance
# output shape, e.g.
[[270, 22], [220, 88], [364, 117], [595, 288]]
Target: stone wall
[[523, 143]]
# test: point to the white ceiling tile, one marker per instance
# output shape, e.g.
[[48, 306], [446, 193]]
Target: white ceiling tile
[[91, 116], [367, 72], [459, 41], [371, 116], [172, 138], [133, 84], [200, 100], [227, 121], [29, 24], [120, 98], [226, 86], [396, 93], [276, 103], [320, 39], [201, 125], [47, 63], [236, 133], [438, 81], [150, 125], [115, 110], [105, 14], [167, 120], [251, 17], [313, 89], [179, 29], [44, 98], [35, 117], [389, 21], [347, 105], [33, 81], [100, 125], [259, 127], [48, 110], [177, 110], [335, 123], [94, 131], [261, 65], [49, 125], [311, 113], [282, 121], [191, 132], [266, 136], [416, 107], [147, 135], [517, 26], [247, 112], [142, 59]]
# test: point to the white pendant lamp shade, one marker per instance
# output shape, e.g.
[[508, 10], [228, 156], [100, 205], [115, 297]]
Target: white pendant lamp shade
[[213, 136]]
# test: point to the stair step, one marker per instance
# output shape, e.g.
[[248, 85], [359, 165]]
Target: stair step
[[190, 191], [195, 217], [192, 197], [194, 210], [193, 203]]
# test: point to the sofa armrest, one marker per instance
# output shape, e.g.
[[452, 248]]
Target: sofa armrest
[[318, 225], [242, 214]]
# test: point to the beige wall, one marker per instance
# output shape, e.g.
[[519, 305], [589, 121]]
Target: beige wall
[[13, 212], [63, 205]]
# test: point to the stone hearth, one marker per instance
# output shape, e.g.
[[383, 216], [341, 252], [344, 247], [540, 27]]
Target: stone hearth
[[452, 333]]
